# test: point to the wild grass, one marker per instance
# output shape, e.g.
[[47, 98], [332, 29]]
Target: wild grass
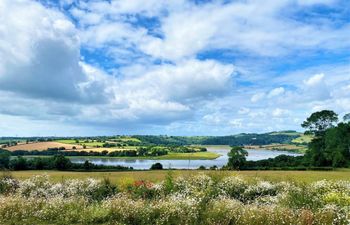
[[208, 199], [158, 176]]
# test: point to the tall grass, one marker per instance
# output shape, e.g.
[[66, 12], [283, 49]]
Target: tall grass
[[200, 199]]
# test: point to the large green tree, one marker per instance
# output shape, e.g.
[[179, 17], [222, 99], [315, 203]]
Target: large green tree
[[331, 144], [320, 121], [337, 145], [237, 157]]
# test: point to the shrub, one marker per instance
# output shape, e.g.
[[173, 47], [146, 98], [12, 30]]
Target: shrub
[[156, 166]]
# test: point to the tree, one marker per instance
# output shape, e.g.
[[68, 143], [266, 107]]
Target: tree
[[237, 157], [61, 163], [87, 165], [337, 145], [331, 144], [346, 117], [18, 163], [157, 166], [320, 121], [4, 160]]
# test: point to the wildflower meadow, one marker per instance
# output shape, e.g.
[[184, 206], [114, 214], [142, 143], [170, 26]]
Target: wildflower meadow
[[200, 199]]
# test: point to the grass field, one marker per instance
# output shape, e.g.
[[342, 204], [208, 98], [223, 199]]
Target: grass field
[[124, 139], [156, 176], [94, 143], [281, 147], [89, 149], [303, 139]]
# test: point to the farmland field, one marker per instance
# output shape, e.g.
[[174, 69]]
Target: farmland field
[[101, 149], [281, 147], [302, 139], [40, 146]]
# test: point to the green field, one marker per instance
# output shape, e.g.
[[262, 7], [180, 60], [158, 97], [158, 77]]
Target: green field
[[94, 143], [303, 139], [156, 176], [281, 147], [81, 142]]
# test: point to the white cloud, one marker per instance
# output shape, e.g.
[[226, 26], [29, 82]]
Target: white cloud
[[257, 97], [236, 123], [314, 80], [243, 110], [39, 52], [276, 92], [156, 73], [185, 81], [279, 112], [316, 2]]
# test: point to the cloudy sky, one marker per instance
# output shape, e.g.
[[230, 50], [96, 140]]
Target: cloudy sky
[[177, 67]]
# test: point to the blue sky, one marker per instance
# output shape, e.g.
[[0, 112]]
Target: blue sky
[[177, 67]]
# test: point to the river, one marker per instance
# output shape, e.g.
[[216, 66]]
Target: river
[[142, 164]]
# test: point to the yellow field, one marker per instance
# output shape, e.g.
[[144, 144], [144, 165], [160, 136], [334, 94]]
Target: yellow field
[[282, 147], [40, 146], [89, 149], [156, 176], [303, 139]]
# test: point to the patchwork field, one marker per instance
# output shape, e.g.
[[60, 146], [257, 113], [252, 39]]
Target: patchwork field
[[40, 146]]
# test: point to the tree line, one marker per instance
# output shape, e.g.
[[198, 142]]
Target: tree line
[[56, 162], [233, 140], [330, 147]]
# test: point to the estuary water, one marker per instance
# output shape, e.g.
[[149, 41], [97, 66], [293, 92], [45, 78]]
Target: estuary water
[[142, 164]]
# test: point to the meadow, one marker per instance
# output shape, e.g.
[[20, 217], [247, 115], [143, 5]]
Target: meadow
[[159, 175], [187, 199]]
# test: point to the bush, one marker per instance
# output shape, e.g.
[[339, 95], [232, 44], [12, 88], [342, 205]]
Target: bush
[[157, 166]]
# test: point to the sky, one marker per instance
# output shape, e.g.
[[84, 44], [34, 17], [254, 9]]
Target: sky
[[175, 67]]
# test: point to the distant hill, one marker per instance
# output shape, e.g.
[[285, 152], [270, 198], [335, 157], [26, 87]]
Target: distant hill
[[275, 137], [283, 137]]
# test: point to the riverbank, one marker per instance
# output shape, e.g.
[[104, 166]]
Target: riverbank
[[169, 156]]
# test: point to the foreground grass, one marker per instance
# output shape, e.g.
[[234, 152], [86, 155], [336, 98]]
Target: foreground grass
[[156, 176], [198, 199]]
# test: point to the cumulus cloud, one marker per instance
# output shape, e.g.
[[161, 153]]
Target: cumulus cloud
[[279, 112], [188, 80], [40, 54], [256, 97], [276, 92], [315, 88], [314, 80], [180, 66]]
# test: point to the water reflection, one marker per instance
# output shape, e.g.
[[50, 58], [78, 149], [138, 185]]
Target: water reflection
[[184, 164]]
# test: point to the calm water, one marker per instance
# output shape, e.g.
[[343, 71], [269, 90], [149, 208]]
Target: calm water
[[183, 164]]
